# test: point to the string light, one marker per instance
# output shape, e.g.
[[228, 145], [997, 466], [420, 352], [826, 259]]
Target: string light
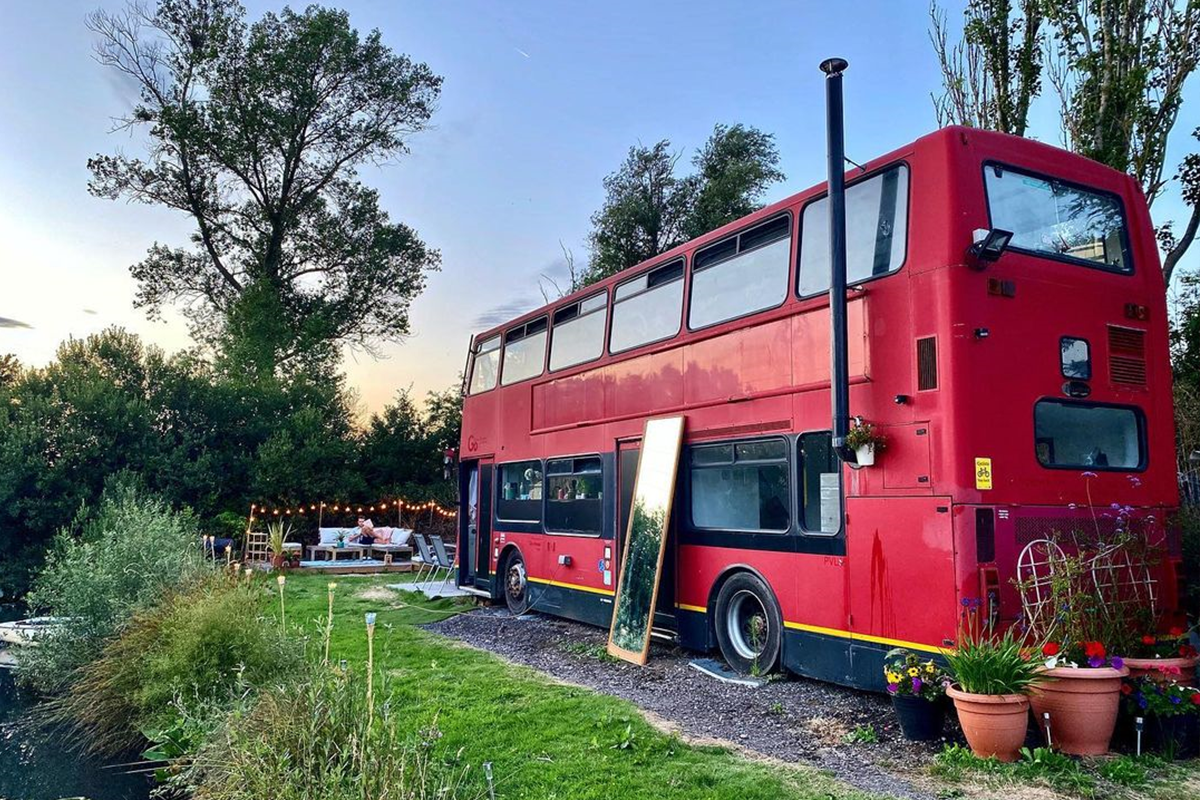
[[400, 504]]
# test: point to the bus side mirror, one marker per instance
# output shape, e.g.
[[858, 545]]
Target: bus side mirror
[[989, 246]]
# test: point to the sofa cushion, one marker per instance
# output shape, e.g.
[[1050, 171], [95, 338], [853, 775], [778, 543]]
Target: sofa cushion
[[329, 535], [401, 535]]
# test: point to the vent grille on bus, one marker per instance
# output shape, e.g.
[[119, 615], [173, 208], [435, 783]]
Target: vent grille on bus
[[927, 363], [1127, 356], [1081, 529]]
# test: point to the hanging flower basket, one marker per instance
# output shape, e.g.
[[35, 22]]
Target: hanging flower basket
[[865, 441]]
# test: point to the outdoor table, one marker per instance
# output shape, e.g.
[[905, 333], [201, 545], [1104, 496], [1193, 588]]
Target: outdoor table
[[333, 550]]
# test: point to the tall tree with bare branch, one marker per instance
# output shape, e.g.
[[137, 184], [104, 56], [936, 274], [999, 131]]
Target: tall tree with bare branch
[[256, 132], [993, 72]]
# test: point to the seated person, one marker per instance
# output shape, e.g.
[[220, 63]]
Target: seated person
[[366, 532]]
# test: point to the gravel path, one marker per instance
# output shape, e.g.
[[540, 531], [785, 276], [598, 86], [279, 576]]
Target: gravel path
[[794, 720]]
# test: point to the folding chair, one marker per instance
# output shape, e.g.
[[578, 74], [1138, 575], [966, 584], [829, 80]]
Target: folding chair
[[427, 557], [444, 561]]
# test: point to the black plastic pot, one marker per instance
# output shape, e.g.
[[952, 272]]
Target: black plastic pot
[[921, 720], [1176, 737]]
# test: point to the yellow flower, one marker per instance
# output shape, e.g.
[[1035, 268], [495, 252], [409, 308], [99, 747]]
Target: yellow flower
[[930, 668], [913, 672], [893, 677]]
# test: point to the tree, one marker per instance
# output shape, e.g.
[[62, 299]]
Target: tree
[[648, 209], [734, 170], [256, 132], [993, 73], [1118, 68], [10, 370]]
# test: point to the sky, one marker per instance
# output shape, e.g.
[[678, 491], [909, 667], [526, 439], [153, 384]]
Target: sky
[[541, 100]]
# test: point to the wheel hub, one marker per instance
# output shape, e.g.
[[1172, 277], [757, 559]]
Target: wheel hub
[[746, 621]]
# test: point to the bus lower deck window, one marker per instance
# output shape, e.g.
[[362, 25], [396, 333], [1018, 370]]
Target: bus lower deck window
[[519, 492], [820, 484], [574, 495], [1088, 435], [740, 487]]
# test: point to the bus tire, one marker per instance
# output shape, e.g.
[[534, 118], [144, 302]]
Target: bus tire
[[516, 584], [749, 625]]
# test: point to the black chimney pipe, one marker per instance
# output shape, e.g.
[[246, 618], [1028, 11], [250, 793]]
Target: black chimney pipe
[[839, 375]]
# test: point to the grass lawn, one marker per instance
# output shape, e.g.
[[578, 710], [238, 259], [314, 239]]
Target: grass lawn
[[544, 739]]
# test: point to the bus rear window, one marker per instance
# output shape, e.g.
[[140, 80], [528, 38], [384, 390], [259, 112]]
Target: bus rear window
[[1052, 218], [1088, 436]]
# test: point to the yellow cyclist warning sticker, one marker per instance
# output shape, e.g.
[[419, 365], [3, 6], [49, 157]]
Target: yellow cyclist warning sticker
[[983, 473]]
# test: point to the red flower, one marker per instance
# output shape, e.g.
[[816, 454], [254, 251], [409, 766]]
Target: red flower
[[1148, 639], [1196, 699], [1176, 631], [1127, 689], [1094, 650], [1187, 651], [1050, 649]]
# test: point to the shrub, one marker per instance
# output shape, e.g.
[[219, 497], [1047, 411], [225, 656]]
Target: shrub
[[101, 569], [985, 663], [320, 740], [187, 657]]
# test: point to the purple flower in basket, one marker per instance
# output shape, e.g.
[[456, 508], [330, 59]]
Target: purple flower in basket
[[1117, 662], [893, 688], [1176, 699], [916, 685]]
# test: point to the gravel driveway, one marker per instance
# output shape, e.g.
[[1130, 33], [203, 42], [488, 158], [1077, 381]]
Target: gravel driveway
[[794, 720]]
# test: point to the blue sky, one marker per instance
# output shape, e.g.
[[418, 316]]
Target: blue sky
[[540, 101]]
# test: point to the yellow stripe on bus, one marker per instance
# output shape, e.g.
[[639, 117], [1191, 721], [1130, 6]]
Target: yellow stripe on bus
[[800, 626], [575, 586], [841, 634]]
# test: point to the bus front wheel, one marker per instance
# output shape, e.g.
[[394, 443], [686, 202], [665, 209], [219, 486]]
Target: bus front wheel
[[749, 625], [516, 584]]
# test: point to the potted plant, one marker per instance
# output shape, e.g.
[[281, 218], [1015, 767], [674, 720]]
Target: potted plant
[[918, 690], [1164, 657], [865, 441], [277, 535], [341, 537], [1081, 695], [1171, 712], [993, 676]]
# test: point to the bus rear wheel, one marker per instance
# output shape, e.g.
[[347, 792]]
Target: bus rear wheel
[[749, 625], [516, 584]]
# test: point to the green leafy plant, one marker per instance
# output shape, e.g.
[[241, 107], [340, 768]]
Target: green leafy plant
[[862, 734], [278, 534], [1148, 696], [986, 663], [113, 561]]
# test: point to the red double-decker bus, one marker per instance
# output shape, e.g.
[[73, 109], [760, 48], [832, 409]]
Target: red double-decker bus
[[1012, 383]]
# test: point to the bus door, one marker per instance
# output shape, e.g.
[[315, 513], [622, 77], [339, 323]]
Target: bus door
[[627, 463], [475, 530]]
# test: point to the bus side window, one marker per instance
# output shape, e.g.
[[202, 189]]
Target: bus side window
[[574, 495], [876, 231], [485, 366], [740, 486], [519, 492], [647, 308], [820, 484]]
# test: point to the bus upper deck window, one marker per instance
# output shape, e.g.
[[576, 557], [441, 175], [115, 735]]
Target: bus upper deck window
[[485, 366], [745, 273], [578, 333], [1053, 218], [876, 231], [524, 351], [647, 308]]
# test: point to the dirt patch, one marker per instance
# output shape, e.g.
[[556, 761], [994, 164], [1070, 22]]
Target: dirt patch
[[793, 721], [379, 594]]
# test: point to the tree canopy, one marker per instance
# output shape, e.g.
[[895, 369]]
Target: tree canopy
[[1118, 68], [256, 132], [649, 209]]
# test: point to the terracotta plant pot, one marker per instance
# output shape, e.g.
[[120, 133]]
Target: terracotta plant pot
[[276, 561], [1152, 668], [994, 724], [1082, 703]]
